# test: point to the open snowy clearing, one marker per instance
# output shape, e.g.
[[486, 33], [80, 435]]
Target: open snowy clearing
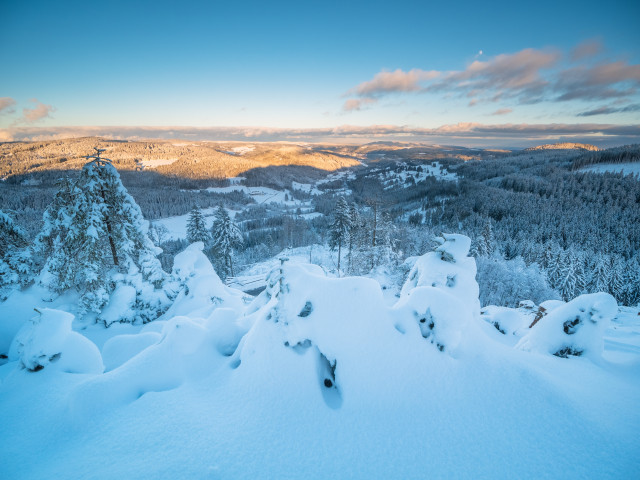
[[321, 377], [625, 168], [159, 162]]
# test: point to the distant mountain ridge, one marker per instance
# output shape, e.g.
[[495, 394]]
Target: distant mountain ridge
[[565, 146]]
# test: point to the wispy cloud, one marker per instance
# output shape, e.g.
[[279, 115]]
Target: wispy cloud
[[604, 80], [37, 112], [525, 77], [6, 105], [607, 110], [586, 49], [354, 104], [396, 81], [502, 111], [459, 133]]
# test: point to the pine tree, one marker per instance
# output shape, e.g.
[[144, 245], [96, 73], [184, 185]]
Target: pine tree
[[601, 276], [489, 242], [617, 283], [567, 276], [196, 227], [339, 230], [94, 236], [14, 255], [354, 227], [225, 238]]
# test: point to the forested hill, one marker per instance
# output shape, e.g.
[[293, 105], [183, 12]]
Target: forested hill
[[199, 160]]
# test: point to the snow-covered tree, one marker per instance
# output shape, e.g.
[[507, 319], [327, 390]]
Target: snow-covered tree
[[225, 238], [14, 256], [196, 227], [95, 237], [339, 230]]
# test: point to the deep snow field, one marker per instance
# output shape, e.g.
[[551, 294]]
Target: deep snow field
[[322, 377]]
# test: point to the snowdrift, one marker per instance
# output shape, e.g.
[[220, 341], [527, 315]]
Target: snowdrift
[[48, 341], [318, 377]]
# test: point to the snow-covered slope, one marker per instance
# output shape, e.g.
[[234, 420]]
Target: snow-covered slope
[[318, 377]]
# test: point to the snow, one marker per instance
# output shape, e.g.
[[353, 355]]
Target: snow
[[320, 377], [176, 227], [392, 178], [48, 341], [259, 194], [576, 328], [242, 150], [306, 187], [157, 162], [632, 168]]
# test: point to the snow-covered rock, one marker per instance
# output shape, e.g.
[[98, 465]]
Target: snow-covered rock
[[48, 341]]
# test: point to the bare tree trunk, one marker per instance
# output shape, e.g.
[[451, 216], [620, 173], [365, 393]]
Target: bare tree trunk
[[107, 221]]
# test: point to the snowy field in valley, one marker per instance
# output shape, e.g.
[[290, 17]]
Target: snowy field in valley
[[625, 168], [322, 377]]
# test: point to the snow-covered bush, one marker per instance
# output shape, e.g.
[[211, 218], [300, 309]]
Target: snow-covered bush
[[506, 282], [48, 341], [507, 321], [198, 287], [334, 329], [575, 328], [441, 293], [449, 269]]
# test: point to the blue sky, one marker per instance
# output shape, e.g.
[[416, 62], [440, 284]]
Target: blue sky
[[318, 66]]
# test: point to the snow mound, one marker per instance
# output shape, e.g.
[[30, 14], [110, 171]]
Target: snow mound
[[48, 341], [184, 351], [119, 349], [200, 290], [333, 332], [508, 321], [575, 328]]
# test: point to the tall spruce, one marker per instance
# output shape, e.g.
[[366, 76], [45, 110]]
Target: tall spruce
[[339, 230], [94, 237], [196, 227], [225, 238], [14, 256]]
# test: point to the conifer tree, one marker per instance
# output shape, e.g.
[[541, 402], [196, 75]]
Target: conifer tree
[[196, 227], [14, 255], [601, 276], [339, 230], [225, 238], [94, 236]]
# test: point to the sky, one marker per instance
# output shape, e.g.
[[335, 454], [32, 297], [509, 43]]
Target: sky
[[464, 73]]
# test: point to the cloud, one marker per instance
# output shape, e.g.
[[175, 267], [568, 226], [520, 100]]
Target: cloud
[[525, 77], [586, 49], [472, 134], [6, 105], [518, 72], [602, 81], [502, 111], [396, 81], [37, 112], [354, 104], [609, 110]]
